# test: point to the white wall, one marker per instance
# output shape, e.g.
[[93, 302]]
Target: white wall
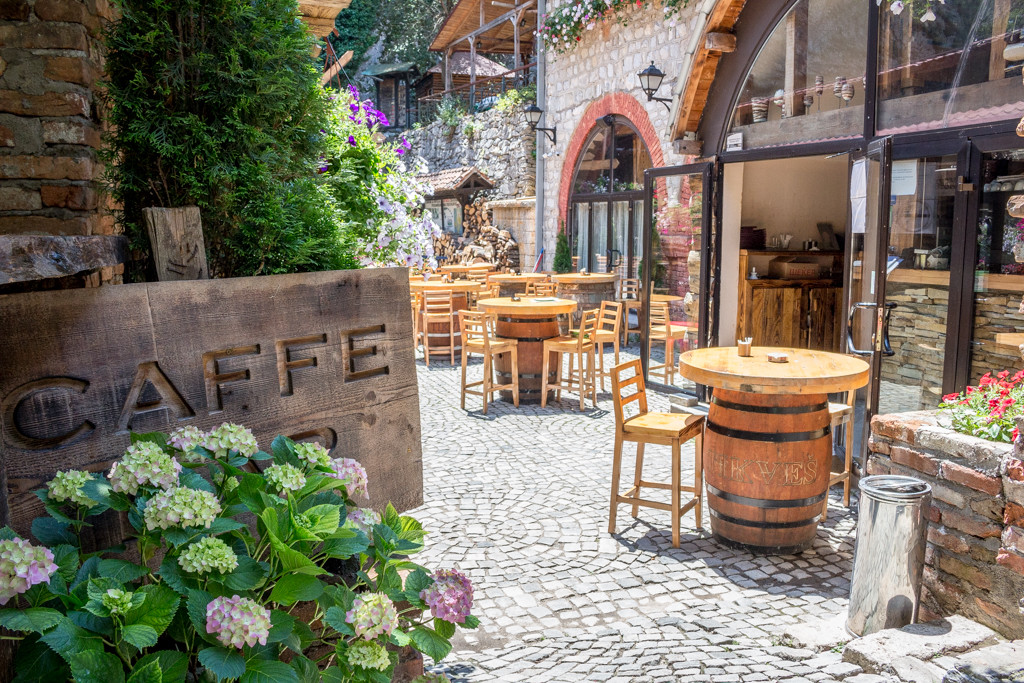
[[732, 205]]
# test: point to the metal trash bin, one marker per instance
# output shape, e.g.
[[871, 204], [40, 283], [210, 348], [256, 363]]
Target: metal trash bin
[[888, 557]]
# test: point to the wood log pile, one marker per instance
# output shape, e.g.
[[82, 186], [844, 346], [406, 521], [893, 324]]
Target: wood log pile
[[480, 241]]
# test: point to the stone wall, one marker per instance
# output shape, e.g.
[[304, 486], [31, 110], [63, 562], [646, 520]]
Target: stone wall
[[917, 333], [518, 216], [599, 76], [974, 563], [50, 127], [499, 143]]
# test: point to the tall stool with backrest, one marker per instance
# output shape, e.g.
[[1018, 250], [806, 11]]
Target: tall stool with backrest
[[663, 329], [541, 288], [666, 429], [842, 415], [609, 320], [438, 308], [416, 301], [629, 297], [478, 336], [579, 346]]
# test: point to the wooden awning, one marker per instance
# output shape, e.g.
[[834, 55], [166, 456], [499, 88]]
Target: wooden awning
[[492, 23], [319, 15], [454, 182]]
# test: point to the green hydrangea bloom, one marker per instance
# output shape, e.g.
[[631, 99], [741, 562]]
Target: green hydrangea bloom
[[66, 487], [208, 555], [181, 507], [284, 478], [117, 601], [368, 655], [313, 453], [230, 437]]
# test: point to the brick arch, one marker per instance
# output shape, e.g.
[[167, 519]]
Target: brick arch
[[624, 105]]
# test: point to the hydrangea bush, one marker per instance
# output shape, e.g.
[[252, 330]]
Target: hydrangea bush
[[241, 566], [988, 410]]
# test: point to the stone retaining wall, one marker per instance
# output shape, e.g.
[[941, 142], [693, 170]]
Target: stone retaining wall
[[975, 556]]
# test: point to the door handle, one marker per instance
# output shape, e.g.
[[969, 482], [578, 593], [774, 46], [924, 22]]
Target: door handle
[[851, 347], [614, 258], [886, 348]]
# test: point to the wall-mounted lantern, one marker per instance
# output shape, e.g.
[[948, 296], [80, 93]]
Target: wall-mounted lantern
[[533, 115], [650, 81]]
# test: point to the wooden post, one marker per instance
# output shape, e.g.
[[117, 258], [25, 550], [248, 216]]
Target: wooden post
[[448, 69], [796, 59], [176, 238], [1000, 20], [472, 75]]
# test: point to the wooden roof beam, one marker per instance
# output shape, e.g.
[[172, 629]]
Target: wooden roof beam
[[494, 23]]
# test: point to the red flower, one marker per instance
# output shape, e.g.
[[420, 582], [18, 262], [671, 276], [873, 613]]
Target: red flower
[[1015, 434], [950, 397], [986, 380], [1004, 374]]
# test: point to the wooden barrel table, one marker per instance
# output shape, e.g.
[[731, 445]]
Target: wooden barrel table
[[515, 284], [768, 441], [460, 290], [461, 270], [588, 291], [529, 321]]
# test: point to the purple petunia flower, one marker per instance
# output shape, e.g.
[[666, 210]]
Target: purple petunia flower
[[352, 140], [354, 91], [354, 107]]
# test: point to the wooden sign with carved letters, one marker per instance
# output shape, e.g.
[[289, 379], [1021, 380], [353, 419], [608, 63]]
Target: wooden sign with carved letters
[[317, 356]]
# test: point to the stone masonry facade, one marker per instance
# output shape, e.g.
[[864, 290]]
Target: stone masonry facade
[[50, 129], [974, 562]]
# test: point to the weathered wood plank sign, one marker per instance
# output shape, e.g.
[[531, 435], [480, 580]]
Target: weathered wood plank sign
[[319, 356]]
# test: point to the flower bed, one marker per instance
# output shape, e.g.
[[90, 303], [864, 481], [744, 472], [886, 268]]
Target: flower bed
[[311, 587], [989, 409]]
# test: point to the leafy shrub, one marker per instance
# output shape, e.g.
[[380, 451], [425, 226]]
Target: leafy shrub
[[238, 572], [563, 256], [988, 410], [218, 103], [517, 98], [450, 112]]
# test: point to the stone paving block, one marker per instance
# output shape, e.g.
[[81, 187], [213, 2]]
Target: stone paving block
[[913, 670], [876, 652], [818, 634], [1000, 663]]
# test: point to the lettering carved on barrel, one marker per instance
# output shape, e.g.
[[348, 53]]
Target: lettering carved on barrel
[[315, 356], [747, 471]]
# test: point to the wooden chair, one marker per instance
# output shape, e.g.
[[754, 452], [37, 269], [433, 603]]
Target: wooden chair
[[416, 301], [663, 329], [541, 288], [478, 336], [666, 429], [842, 415], [438, 308], [609, 320], [579, 346], [490, 291], [629, 297]]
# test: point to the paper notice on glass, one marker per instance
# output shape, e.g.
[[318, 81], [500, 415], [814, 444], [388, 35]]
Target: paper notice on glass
[[859, 196], [904, 177]]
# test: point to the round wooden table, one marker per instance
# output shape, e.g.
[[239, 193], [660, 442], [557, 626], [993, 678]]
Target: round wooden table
[[515, 284], [460, 269], [529, 321], [588, 291], [460, 302], [768, 443]]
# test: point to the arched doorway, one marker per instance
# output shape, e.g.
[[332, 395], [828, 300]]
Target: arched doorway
[[606, 198]]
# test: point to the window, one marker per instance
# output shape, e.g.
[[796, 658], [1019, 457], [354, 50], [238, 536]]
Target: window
[[946, 64], [807, 81], [447, 213]]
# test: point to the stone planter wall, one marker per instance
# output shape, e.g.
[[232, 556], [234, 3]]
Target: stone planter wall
[[518, 216], [975, 556]]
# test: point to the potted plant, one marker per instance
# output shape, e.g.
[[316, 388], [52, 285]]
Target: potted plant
[[988, 410], [232, 574]]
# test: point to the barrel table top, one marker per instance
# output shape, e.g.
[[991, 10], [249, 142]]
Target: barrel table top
[[438, 286], [466, 269], [807, 372], [511, 278], [577, 278], [527, 306]]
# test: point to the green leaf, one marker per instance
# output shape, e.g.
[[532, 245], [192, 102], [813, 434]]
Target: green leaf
[[281, 626], [333, 675], [292, 560], [445, 629], [173, 664], [267, 671], [139, 635], [35, 662], [301, 638], [247, 575], [50, 532], [327, 519], [224, 663], [283, 450], [196, 605], [306, 670], [98, 488], [94, 666], [171, 574], [90, 622], [260, 455], [400, 637], [66, 559], [38, 619], [348, 542], [121, 571], [193, 480], [148, 673], [88, 570], [158, 610], [7, 533], [471, 622], [292, 588], [249, 491], [66, 639], [223, 525], [427, 641], [159, 438], [335, 618]]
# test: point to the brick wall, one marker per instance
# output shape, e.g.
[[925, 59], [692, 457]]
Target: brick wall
[[975, 555], [50, 128]]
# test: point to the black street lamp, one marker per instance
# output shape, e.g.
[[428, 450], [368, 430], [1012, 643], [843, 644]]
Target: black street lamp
[[533, 116], [650, 81]]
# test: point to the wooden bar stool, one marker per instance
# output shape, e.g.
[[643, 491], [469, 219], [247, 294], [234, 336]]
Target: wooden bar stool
[[490, 291], [666, 429], [842, 414], [438, 308], [478, 336], [663, 329], [416, 301], [609, 321], [578, 346], [629, 297], [542, 288]]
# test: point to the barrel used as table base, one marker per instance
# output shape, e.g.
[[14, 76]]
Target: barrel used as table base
[[588, 295], [438, 331], [766, 463], [529, 334]]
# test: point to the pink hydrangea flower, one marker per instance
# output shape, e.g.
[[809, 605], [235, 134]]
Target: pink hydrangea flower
[[363, 519], [450, 597], [352, 474], [185, 439], [144, 463], [372, 614], [23, 565], [237, 621]]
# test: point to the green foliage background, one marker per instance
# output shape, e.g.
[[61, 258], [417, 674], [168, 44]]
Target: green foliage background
[[563, 256], [217, 103], [407, 27]]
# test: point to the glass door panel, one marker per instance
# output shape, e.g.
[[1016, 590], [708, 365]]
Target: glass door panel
[[638, 239], [921, 207], [998, 323], [618, 261], [599, 238], [581, 236]]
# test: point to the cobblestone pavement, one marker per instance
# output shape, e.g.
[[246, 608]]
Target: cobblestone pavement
[[519, 500]]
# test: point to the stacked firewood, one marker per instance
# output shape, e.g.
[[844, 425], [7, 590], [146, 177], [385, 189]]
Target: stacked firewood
[[480, 241]]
